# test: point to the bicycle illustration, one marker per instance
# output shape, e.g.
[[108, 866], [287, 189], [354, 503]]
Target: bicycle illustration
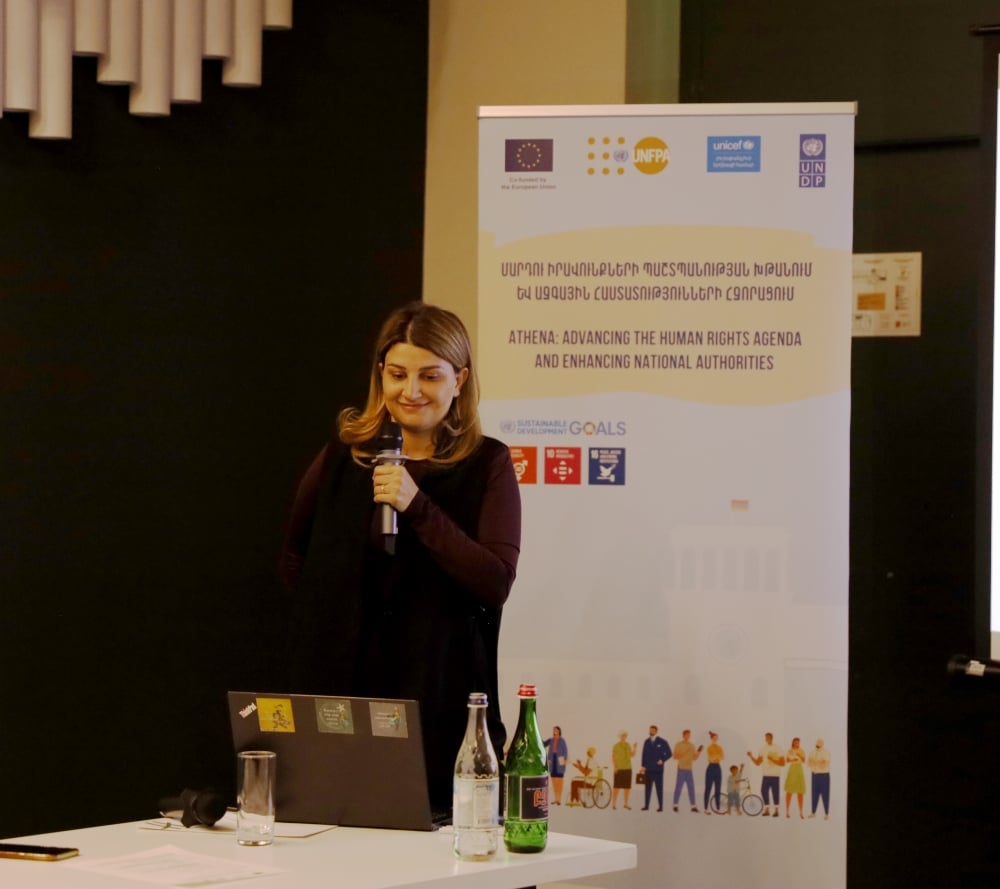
[[750, 803]]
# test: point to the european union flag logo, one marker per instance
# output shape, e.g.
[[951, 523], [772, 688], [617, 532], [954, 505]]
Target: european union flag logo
[[528, 155]]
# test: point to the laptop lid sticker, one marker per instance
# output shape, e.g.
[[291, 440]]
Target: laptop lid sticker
[[388, 719], [333, 715], [275, 715]]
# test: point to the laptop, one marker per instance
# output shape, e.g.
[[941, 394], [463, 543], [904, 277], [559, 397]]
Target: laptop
[[351, 761]]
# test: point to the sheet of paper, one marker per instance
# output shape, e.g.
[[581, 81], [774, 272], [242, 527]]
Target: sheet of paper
[[172, 866], [226, 825], [887, 294]]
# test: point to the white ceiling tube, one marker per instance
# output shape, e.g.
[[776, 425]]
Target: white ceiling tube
[[155, 47]]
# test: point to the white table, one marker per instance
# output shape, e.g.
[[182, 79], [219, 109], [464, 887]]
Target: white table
[[343, 857]]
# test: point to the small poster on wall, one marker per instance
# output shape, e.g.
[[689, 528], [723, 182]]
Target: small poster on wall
[[886, 294]]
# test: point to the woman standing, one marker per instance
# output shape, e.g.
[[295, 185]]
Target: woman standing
[[795, 779], [621, 760], [555, 757], [419, 618]]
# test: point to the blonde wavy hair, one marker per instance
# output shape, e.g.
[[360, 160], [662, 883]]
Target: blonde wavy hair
[[439, 331]]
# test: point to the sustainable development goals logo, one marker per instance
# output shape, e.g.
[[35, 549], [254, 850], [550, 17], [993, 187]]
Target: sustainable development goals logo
[[561, 465]]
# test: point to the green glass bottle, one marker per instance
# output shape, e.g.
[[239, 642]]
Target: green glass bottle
[[526, 804]]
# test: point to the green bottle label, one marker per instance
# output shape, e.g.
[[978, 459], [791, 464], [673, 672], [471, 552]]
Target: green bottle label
[[530, 794]]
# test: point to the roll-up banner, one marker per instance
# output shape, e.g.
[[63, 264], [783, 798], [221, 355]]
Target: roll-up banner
[[664, 333]]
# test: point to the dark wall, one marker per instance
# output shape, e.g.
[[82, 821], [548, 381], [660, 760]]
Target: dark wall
[[184, 304], [921, 791]]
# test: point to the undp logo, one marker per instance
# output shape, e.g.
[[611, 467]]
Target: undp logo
[[813, 146], [812, 160]]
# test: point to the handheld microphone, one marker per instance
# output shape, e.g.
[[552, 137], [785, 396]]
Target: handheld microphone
[[389, 452], [194, 807]]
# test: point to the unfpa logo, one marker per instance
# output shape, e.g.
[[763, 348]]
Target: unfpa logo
[[651, 155], [607, 155]]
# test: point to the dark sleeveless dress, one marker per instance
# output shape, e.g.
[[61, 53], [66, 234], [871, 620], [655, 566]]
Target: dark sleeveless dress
[[422, 623]]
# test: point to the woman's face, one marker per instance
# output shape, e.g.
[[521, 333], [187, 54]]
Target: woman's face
[[419, 387]]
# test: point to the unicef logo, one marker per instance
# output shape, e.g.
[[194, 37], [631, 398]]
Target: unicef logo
[[812, 147], [749, 145], [507, 427]]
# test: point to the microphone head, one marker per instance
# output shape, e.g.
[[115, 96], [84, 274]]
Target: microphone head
[[958, 664], [390, 437], [208, 807], [194, 807]]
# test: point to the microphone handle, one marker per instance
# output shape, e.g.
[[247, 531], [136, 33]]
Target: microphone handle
[[389, 517], [390, 524]]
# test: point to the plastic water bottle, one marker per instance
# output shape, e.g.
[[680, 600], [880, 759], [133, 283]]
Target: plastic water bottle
[[526, 816], [475, 812]]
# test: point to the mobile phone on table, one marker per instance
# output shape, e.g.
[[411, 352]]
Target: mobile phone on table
[[32, 852]]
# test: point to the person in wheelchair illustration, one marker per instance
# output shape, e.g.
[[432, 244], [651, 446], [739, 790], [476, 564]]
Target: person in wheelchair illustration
[[590, 789]]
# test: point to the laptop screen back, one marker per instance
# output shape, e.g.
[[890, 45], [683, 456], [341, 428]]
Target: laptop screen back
[[356, 762]]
